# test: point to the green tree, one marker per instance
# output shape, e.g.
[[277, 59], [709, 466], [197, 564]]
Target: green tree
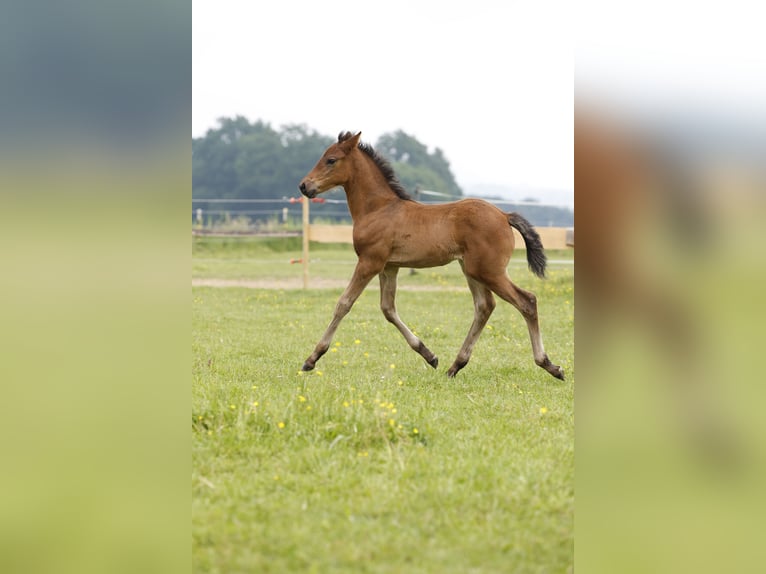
[[215, 156], [243, 160]]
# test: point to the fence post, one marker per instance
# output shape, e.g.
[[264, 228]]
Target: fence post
[[305, 242]]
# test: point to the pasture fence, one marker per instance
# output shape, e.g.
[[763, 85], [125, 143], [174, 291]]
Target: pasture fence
[[278, 217]]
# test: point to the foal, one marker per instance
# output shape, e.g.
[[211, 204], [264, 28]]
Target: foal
[[391, 230]]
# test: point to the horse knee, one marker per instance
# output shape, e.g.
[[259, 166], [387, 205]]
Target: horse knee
[[486, 306], [389, 312], [342, 309], [483, 301]]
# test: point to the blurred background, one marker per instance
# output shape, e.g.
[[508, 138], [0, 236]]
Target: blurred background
[[670, 143], [94, 165]]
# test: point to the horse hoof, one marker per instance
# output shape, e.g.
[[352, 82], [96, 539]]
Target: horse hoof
[[455, 368], [434, 362], [559, 374], [307, 367]]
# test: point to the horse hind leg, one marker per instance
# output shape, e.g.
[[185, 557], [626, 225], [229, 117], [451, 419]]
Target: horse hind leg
[[526, 303], [388, 306], [484, 304]]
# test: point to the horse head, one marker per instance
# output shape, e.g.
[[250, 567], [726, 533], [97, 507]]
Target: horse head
[[333, 168]]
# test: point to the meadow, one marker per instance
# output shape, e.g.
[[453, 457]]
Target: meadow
[[374, 462]]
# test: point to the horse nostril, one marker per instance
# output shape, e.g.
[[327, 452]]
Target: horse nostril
[[302, 187]]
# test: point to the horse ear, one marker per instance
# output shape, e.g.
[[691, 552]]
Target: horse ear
[[351, 142]]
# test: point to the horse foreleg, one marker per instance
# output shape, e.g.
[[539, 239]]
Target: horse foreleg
[[484, 304], [363, 273], [388, 306], [526, 303]]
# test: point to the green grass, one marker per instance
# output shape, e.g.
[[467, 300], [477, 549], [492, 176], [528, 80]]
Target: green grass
[[375, 462]]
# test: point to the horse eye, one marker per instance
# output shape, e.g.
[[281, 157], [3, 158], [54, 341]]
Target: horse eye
[[331, 160]]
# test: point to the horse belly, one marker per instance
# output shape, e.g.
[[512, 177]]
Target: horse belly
[[425, 251]]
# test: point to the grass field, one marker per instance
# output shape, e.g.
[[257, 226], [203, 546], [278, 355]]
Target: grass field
[[375, 462]]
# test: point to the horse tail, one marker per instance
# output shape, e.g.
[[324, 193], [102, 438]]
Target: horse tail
[[535, 254]]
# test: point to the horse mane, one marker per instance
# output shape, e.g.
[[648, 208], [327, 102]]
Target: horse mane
[[383, 165]]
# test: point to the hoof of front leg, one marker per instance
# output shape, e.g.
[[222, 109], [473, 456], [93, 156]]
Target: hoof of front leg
[[425, 353], [307, 366], [558, 372]]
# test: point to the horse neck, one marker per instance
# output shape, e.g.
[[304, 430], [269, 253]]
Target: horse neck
[[367, 190]]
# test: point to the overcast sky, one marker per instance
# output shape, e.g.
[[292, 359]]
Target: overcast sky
[[489, 82], [492, 88]]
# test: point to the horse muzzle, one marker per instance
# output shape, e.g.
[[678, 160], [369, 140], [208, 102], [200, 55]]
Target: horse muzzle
[[309, 190]]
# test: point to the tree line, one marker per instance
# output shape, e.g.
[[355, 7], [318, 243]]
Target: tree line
[[240, 159]]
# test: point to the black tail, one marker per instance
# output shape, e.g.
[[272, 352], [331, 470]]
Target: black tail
[[535, 253]]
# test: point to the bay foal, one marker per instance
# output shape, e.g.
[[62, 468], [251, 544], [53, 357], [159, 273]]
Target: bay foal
[[391, 230]]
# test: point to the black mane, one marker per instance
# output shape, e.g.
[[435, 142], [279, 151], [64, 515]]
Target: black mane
[[383, 165]]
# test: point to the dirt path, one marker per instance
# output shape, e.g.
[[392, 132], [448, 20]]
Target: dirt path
[[314, 283]]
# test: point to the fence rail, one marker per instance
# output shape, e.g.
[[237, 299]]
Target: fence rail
[[552, 237], [242, 214]]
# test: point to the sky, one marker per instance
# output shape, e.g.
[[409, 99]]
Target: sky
[[491, 83]]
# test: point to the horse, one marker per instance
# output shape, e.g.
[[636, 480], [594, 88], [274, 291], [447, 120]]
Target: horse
[[391, 230]]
